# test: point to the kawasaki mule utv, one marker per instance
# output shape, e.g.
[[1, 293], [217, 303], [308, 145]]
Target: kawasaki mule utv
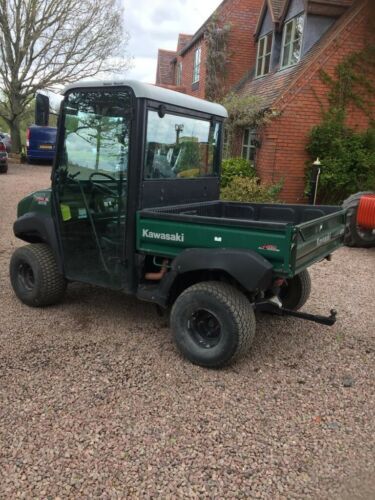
[[134, 206]]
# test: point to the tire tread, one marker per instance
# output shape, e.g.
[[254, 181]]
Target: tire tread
[[53, 284], [236, 302]]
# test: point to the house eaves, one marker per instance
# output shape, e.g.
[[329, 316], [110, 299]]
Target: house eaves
[[200, 33]]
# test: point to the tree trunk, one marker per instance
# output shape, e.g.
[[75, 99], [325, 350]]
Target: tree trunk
[[98, 144], [15, 133]]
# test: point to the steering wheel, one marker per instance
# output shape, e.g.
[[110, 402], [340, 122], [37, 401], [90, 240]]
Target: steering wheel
[[104, 187]]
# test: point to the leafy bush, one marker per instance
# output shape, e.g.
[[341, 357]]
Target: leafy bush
[[347, 157], [192, 172], [235, 167], [248, 189], [189, 156]]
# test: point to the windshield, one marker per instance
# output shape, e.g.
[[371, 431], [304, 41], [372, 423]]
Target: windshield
[[96, 133], [180, 147]]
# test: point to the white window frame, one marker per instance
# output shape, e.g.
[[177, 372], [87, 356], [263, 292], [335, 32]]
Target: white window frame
[[264, 55], [249, 147], [289, 47], [197, 64], [179, 73]]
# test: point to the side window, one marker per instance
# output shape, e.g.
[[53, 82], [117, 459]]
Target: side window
[[264, 55], [97, 133], [197, 64], [248, 144], [292, 41], [180, 147]]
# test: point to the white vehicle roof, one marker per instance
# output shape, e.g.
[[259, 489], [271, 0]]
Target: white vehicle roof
[[147, 91]]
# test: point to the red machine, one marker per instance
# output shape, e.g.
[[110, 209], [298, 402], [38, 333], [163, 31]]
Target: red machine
[[360, 225]]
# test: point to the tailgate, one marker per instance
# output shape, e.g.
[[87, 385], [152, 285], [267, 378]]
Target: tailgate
[[318, 238]]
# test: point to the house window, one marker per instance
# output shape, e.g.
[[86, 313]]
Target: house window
[[248, 144], [197, 64], [292, 42], [264, 55], [179, 74]]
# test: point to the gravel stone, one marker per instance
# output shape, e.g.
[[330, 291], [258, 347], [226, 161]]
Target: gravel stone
[[348, 381], [95, 401]]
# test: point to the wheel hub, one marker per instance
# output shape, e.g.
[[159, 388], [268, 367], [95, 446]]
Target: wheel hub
[[26, 276], [205, 328]]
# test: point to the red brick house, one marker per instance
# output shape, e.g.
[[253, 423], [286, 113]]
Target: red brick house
[[185, 69], [282, 47]]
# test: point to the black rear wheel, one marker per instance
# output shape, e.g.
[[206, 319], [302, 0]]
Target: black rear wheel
[[213, 323], [35, 277], [295, 293]]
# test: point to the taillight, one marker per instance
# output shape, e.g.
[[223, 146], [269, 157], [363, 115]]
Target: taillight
[[2, 147], [27, 137]]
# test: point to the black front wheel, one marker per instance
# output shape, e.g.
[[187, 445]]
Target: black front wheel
[[213, 323], [35, 277]]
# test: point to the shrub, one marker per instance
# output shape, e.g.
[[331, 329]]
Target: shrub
[[235, 167], [248, 189], [347, 157], [189, 156]]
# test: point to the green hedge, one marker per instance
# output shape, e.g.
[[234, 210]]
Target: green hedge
[[235, 167], [347, 157], [247, 189]]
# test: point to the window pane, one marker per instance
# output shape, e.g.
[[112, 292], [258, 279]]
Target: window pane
[[269, 43], [296, 52], [288, 32], [97, 133], [246, 136], [261, 47], [197, 62], [299, 27], [259, 66], [267, 62], [180, 147], [285, 60]]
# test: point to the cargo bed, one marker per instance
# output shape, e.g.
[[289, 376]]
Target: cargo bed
[[291, 237]]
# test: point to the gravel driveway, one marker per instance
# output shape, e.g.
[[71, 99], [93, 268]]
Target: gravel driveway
[[95, 401]]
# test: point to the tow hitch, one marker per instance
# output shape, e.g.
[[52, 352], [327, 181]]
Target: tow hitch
[[273, 307]]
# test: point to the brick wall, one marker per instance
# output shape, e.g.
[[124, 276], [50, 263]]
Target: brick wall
[[187, 60], [283, 153], [242, 15], [165, 69]]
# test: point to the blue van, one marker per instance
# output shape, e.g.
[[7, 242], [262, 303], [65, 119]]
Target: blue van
[[40, 143]]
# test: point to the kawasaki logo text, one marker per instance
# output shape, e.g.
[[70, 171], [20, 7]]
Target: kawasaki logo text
[[178, 237]]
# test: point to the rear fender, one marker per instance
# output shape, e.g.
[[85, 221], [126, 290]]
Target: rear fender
[[252, 271]]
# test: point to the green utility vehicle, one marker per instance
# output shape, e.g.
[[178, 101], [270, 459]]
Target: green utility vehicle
[[134, 206]]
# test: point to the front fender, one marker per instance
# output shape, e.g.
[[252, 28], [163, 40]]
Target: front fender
[[38, 228]]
